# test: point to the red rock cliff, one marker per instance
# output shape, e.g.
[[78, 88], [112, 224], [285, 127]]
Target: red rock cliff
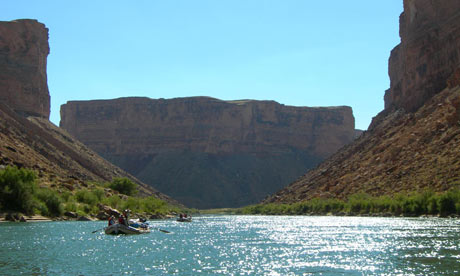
[[23, 53], [131, 125], [428, 54]]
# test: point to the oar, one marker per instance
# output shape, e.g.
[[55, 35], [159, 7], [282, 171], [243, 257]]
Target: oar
[[97, 230], [159, 229]]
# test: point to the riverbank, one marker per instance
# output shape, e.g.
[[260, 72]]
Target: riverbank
[[413, 204], [69, 216], [13, 217], [22, 199]]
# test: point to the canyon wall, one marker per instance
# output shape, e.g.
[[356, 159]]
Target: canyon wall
[[206, 152], [428, 54], [23, 55]]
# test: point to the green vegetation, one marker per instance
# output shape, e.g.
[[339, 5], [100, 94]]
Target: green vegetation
[[124, 186], [219, 211], [413, 204], [19, 192], [17, 187]]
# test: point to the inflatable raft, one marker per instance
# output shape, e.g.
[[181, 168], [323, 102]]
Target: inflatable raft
[[117, 229]]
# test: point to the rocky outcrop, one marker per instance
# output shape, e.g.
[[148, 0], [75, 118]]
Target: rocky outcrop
[[428, 54], [23, 54], [206, 152], [415, 142]]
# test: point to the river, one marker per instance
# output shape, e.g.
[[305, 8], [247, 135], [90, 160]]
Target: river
[[237, 245]]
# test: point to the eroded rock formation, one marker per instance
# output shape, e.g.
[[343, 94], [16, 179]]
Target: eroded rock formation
[[23, 54], [207, 152], [428, 54]]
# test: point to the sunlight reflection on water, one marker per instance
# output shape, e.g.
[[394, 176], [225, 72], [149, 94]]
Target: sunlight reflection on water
[[237, 245]]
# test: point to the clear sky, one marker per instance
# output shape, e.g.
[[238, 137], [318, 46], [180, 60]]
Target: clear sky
[[295, 52]]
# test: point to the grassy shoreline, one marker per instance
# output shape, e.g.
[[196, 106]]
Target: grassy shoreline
[[415, 204]]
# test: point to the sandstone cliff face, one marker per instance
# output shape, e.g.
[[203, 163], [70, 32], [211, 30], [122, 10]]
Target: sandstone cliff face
[[415, 142], [206, 152], [23, 53], [139, 125], [428, 54]]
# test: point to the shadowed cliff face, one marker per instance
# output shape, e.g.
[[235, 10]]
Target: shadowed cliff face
[[23, 52], [428, 54], [207, 152], [415, 142]]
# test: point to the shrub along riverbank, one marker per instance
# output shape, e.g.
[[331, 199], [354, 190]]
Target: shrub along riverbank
[[402, 204], [19, 192]]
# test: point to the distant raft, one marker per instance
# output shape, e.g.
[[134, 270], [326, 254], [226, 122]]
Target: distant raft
[[189, 219], [117, 229]]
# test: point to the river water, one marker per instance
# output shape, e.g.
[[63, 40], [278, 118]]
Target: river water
[[237, 245]]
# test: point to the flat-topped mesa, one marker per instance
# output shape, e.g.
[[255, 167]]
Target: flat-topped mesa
[[140, 125], [428, 54], [23, 52], [209, 153]]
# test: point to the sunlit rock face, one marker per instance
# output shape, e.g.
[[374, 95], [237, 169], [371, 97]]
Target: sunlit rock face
[[428, 54], [23, 54], [206, 152]]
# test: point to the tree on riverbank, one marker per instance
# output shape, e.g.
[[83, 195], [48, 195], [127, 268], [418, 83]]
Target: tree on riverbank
[[17, 188]]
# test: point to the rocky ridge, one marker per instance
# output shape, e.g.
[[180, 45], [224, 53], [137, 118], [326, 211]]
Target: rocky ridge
[[415, 142]]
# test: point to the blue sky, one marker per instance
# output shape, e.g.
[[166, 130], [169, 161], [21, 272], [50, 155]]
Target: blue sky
[[295, 52]]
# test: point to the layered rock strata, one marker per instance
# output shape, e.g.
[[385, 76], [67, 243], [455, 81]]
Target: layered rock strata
[[428, 54], [207, 152], [23, 55]]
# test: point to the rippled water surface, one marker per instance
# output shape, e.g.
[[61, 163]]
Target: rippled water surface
[[237, 245]]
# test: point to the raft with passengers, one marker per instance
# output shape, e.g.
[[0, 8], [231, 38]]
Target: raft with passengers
[[184, 218], [126, 226]]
